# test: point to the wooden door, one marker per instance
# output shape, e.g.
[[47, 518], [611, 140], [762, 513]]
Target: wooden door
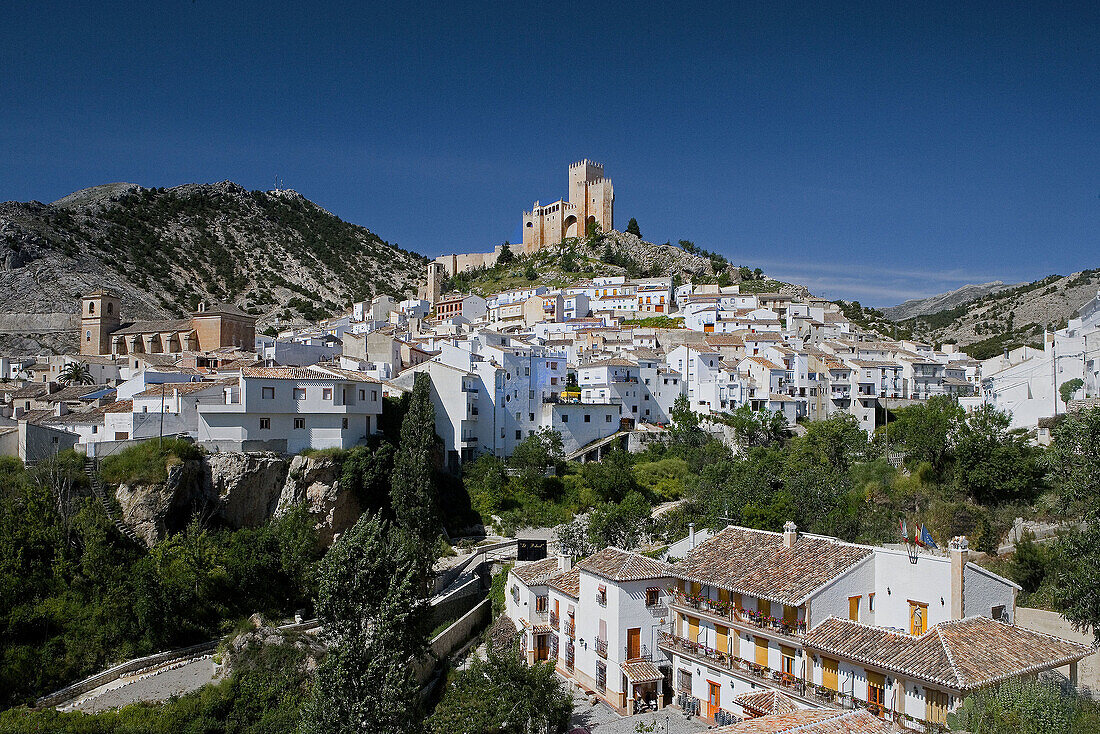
[[714, 698], [761, 650], [829, 669], [542, 648], [723, 635], [693, 629], [853, 608], [876, 691], [634, 643]]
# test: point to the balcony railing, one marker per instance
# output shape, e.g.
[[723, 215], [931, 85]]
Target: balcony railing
[[642, 653], [570, 628], [553, 620], [745, 617], [601, 647], [601, 599], [540, 613], [809, 692]]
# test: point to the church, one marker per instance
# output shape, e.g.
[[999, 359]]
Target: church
[[102, 331]]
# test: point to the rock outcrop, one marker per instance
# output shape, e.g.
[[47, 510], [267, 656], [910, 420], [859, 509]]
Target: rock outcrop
[[246, 486], [315, 482], [154, 511]]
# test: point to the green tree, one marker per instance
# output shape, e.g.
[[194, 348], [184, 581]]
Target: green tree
[[506, 255], [76, 373], [1077, 577], [366, 471], [992, 464], [486, 483], [611, 479], [1020, 705], [744, 272], [619, 524], [535, 454], [1073, 462], [927, 431], [1068, 388], [414, 494], [370, 602], [757, 427], [632, 227], [502, 695], [837, 441], [685, 431], [529, 272]]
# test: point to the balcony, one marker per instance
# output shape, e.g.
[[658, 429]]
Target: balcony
[[744, 618], [553, 620], [570, 628], [642, 653], [601, 647]]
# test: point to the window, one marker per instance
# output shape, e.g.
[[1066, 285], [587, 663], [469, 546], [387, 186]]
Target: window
[[876, 689], [853, 608], [326, 393], [299, 393], [565, 418], [871, 602], [87, 336], [541, 604], [530, 416], [601, 595], [267, 393], [519, 435], [998, 612], [607, 418], [344, 423], [91, 308], [601, 677], [362, 394], [265, 424], [527, 371], [299, 422], [652, 596], [787, 655], [374, 395]]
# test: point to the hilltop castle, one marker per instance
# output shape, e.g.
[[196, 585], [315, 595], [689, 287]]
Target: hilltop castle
[[591, 200]]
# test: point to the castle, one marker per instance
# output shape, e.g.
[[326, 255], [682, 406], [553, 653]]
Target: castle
[[591, 200]]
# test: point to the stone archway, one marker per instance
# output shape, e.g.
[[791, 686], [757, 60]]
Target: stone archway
[[569, 227]]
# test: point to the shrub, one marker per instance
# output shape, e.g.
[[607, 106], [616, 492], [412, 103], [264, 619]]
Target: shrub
[[147, 462]]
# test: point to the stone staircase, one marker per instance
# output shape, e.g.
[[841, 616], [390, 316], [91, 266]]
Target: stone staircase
[[91, 468]]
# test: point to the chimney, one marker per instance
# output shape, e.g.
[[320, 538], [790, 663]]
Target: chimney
[[565, 562], [691, 536], [790, 534], [959, 550]]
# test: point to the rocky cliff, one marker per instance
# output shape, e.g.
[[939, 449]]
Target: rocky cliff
[[275, 254], [240, 490]]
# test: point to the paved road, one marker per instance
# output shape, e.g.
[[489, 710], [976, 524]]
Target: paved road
[[158, 687], [602, 719]]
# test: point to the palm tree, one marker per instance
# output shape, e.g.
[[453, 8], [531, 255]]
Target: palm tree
[[76, 373]]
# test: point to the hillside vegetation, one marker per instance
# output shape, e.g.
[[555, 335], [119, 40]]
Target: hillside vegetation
[[275, 254]]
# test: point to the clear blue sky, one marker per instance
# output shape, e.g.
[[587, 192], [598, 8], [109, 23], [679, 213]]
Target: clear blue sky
[[875, 151]]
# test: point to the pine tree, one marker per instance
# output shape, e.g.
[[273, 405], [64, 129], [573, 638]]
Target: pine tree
[[370, 604], [632, 227], [413, 491]]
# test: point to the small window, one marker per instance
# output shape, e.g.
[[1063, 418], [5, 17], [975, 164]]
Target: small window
[[267, 393], [541, 604], [344, 423], [607, 418], [531, 416], [587, 418], [326, 393], [299, 422], [652, 596], [265, 424], [299, 393], [374, 395], [565, 418], [110, 307], [91, 308], [519, 435], [527, 371], [362, 394]]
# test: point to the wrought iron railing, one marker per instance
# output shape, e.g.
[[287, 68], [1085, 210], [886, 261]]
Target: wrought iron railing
[[642, 653], [554, 620], [727, 610], [601, 647], [570, 628]]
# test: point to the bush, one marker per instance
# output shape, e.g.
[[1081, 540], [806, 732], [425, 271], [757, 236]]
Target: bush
[[147, 462]]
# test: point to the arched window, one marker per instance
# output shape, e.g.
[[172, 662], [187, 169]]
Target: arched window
[[87, 336], [91, 306], [110, 307]]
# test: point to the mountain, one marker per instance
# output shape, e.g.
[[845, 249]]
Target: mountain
[[1008, 317], [944, 301], [274, 254]]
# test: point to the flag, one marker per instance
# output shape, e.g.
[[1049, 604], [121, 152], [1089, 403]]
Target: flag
[[904, 530], [918, 535], [926, 539]]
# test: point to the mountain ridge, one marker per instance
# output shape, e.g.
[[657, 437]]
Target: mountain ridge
[[274, 254]]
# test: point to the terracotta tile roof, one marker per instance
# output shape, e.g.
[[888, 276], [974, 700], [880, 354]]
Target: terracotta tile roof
[[755, 562], [962, 654], [31, 390], [156, 327], [616, 564], [73, 392], [567, 583], [90, 416], [119, 406], [766, 363], [766, 702], [641, 671], [182, 388], [613, 362], [537, 573], [36, 416], [725, 340], [811, 721]]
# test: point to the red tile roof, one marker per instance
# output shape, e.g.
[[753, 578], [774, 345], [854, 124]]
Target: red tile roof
[[616, 564], [811, 721]]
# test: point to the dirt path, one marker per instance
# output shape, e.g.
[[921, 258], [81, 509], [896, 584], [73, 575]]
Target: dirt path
[[158, 686]]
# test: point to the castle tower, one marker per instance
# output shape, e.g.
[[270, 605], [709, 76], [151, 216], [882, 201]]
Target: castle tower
[[592, 194], [99, 317], [430, 291]]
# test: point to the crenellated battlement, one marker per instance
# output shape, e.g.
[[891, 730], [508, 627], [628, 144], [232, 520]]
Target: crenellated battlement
[[585, 162]]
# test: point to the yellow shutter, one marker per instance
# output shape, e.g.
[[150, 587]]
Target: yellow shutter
[[723, 595], [737, 600], [829, 673], [853, 608], [876, 679], [761, 650], [935, 706], [735, 643], [695, 588], [787, 651], [918, 618], [680, 585], [693, 629], [723, 638], [790, 614]]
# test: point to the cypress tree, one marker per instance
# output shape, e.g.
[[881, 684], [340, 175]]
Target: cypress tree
[[413, 491]]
